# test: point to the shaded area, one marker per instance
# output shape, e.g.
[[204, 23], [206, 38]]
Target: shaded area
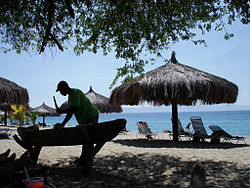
[[181, 144], [147, 170]]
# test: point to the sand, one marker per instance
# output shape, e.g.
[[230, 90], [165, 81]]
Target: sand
[[129, 161]]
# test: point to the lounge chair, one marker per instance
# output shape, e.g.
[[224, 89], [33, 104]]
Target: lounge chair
[[225, 135], [181, 132], [199, 129], [5, 133], [144, 130]]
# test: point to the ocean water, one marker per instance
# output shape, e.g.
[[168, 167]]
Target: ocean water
[[234, 122]]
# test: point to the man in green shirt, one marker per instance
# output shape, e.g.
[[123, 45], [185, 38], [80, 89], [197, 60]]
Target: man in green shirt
[[86, 115]]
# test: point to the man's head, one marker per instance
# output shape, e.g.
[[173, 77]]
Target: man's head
[[63, 87]]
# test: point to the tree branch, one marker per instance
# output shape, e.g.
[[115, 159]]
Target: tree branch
[[51, 12], [53, 37], [70, 9]]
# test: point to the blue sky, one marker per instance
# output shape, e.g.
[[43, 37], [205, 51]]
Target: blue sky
[[40, 73]]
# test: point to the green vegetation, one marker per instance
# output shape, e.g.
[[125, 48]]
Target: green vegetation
[[31, 116], [18, 114], [132, 29]]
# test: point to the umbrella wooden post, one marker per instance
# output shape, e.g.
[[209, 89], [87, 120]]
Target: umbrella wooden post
[[5, 118], [43, 119], [6, 108], [175, 121]]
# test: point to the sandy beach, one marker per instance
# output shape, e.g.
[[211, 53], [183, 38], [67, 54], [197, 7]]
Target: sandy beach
[[128, 161]]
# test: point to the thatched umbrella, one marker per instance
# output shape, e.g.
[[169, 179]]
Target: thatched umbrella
[[5, 108], [11, 93], [175, 83], [100, 101], [45, 110]]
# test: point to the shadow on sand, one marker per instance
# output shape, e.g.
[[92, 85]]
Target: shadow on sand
[[181, 144], [148, 170]]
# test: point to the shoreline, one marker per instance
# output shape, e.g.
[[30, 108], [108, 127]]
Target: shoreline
[[165, 110], [127, 161], [13, 128]]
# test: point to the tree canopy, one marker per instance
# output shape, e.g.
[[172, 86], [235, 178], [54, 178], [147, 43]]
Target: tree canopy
[[130, 28]]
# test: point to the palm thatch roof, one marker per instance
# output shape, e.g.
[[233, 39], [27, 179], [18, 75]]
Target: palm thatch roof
[[100, 101], [45, 110], [6, 107], [11, 93], [175, 82]]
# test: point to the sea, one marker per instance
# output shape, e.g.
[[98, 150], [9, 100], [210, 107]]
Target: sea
[[236, 123]]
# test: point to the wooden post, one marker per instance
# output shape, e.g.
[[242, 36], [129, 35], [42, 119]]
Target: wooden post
[[43, 119], [5, 118], [175, 121]]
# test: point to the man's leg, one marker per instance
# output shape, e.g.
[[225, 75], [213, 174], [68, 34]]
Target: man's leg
[[86, 159], [87, 149], [88, 153]]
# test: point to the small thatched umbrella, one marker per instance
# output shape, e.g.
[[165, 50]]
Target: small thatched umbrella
[[5, 108], [45, 110], [100, 101], [175, 83], [11, 93]]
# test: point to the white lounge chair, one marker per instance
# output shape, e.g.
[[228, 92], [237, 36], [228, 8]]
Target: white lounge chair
[[199, 129], [144, 130], [5, 132]]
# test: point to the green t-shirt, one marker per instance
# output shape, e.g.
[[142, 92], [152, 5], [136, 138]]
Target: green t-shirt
[[85, 109]]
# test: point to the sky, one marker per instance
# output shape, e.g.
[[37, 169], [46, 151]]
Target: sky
[[40, 73]]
